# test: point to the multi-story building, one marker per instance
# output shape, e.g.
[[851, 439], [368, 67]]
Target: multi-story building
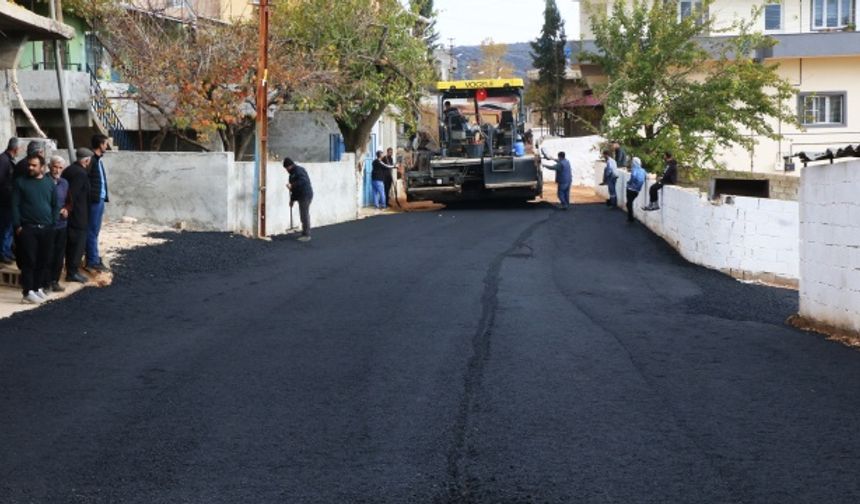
[[818, 52], [96, 98]]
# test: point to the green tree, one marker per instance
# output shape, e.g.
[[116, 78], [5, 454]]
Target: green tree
[[369, 52], [673, 86], [549, 59]]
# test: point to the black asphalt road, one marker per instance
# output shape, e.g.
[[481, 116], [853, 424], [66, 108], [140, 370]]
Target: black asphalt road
[[498, 355]]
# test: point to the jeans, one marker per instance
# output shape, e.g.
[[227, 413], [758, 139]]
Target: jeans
[[379, 194], [631, 197], [654, 192], [564, 195], [97, 211], [305, 215], [6, 233], [33, 245], [613, 196]]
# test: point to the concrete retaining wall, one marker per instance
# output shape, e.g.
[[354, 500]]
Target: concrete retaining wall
[[748, 238], [830, 245], [211, 192]]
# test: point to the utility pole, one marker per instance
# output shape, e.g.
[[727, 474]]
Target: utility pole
[[56, 10], [262, 119]]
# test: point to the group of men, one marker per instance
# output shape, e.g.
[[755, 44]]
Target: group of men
[[51, 214], [382, 179], [616, 157]]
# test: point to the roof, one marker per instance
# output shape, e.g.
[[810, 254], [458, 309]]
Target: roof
[[17, 22], [585, 101], [479, 84]]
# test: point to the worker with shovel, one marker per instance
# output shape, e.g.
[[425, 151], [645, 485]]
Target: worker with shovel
[[300, 190]]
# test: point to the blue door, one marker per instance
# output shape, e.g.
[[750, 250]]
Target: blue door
[[368, 168]]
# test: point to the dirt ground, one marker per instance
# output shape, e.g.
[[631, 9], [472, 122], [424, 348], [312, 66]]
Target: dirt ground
[[580, 195], [115, 238]]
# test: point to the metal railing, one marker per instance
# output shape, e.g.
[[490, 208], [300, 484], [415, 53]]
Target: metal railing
[[50, 65], [107, 115]]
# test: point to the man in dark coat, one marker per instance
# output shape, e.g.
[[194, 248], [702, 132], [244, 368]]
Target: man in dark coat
[[7, 173], [79, 190], [670, 177], [98, 197], [302, 191]]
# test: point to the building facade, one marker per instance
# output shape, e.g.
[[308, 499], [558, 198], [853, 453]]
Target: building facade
[[818, 52]]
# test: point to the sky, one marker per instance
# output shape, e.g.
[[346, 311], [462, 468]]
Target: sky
[[469, 22]]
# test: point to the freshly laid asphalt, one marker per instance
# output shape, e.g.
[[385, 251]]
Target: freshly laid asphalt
[[498, 355]]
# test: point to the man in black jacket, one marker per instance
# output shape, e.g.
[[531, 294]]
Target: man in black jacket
[[79, 191], [670, 177], [7, 173], [98, 197], [302, 191]]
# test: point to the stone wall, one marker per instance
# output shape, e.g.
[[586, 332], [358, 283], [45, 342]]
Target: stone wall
[[830, 245], [782, 186]]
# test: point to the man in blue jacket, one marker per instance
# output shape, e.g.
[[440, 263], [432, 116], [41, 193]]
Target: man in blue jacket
[[634, 185], [302, 191], [563, 178], [99, 195]]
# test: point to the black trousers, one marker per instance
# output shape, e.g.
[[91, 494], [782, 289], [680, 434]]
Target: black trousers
[[387, 183], [305, 215], [631, 196], [33, 247], [654, 192], [58, 254], [76, 241]]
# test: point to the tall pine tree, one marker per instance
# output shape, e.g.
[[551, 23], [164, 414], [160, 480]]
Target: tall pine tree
[[548, 58]]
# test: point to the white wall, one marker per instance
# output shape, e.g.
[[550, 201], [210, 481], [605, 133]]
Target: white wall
[[830, 244], [580, 151], [210, 192], [748, 238]]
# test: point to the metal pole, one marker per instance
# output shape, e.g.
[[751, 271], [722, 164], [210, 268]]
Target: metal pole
[[57, 15], [262, 117]]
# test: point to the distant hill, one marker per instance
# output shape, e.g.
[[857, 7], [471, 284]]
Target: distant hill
[[519, 55]]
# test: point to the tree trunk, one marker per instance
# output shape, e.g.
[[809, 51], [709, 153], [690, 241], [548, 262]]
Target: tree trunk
[[355, 139], [649, 131], [13, 83]]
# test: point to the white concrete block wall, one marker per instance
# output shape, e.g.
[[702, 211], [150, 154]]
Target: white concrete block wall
[[830, 244], [335, 189], [747, 237], [211, 192], [167, 187]]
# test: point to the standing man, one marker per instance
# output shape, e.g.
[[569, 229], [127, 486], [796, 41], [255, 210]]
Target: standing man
[[7, 173], [388, 160], [563, 178], [377, 179], [34, 212], [302, 191], [609, 178], [98, 197], [634, 185], [78, 221], [58, 241], [670, 177], [619, 154]]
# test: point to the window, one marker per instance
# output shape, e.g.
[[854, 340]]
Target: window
[[832, 13], [822, 109], [773, 17], [688, 8]]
